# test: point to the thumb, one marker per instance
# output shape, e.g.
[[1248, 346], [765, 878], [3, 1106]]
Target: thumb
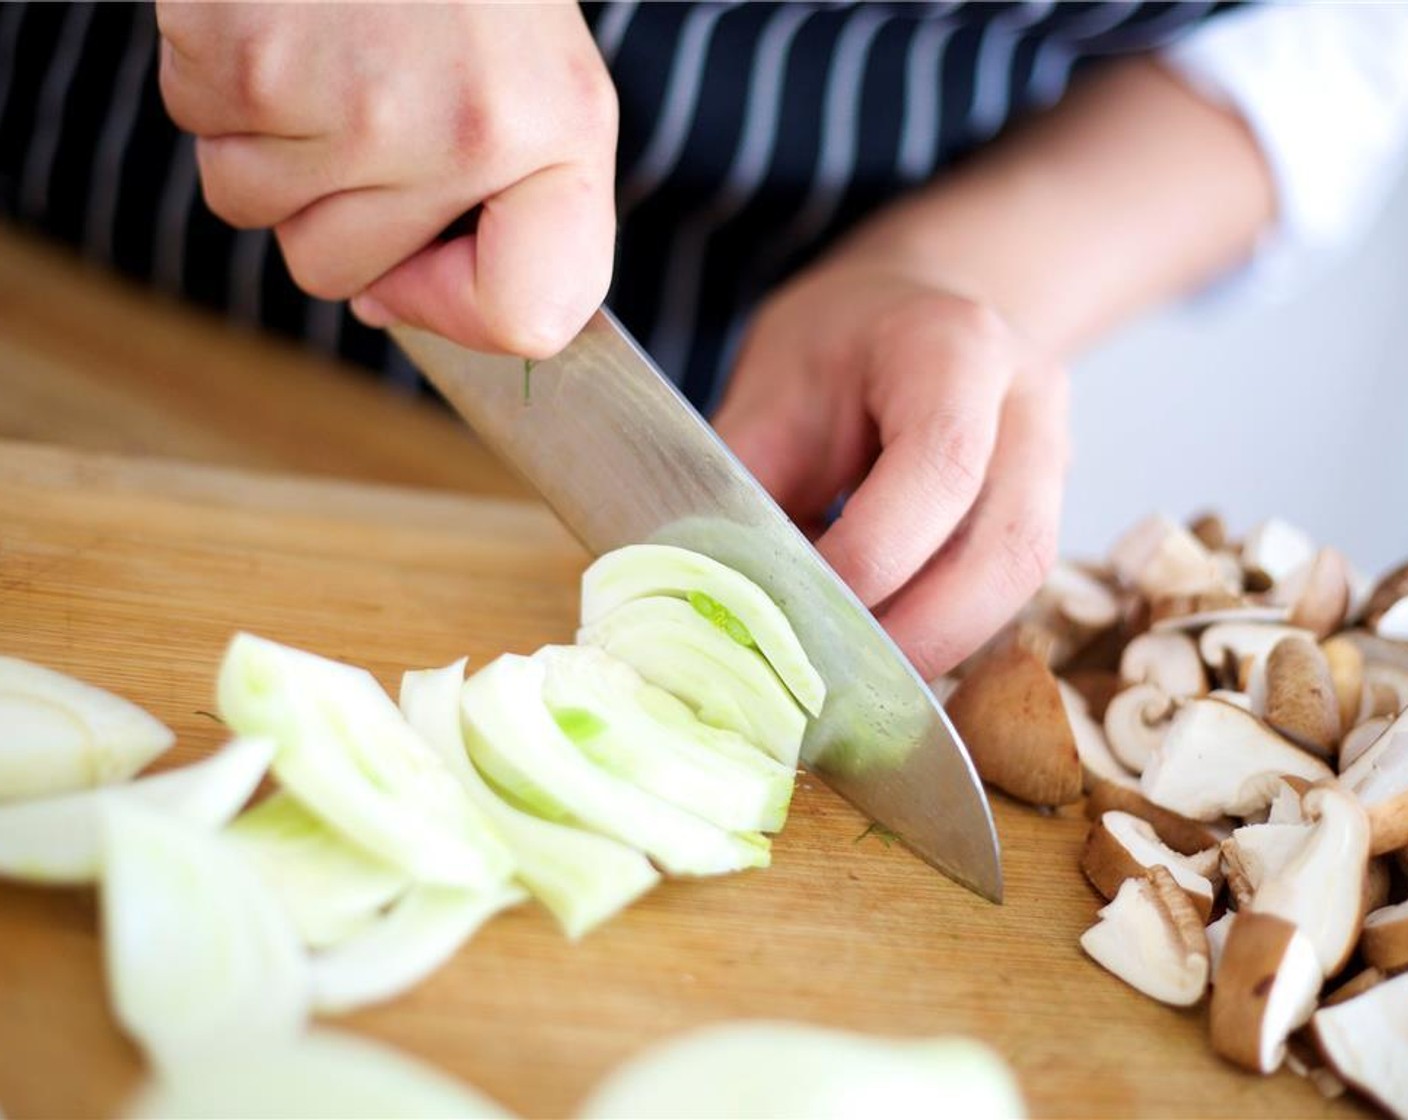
[[524, 282]]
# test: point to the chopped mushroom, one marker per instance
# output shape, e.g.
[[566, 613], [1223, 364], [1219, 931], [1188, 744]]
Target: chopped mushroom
[[1159, 557], [1385, 690], [1318, 594], [1151, 938], [1386, 612], [1010, 712], [1267, 981], [1320, 886], [1136, 722], [1097, 761], [1187, 837], [1255, 853], [1168, 659], [1379, 778], [1365, 1039], [1195, 612], [1384, 941], [1201, 769], [1241, 644], [1217, 934], [1120, 846], [1346, 663], [1273, 550], [1360, 739], [1300, 695]]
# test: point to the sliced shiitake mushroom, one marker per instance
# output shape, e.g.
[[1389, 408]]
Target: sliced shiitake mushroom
[[1267, 981], [1384, 941], [1120, 846]]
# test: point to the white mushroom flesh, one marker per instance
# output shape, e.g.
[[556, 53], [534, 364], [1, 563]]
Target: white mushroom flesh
[[1366, 1039], [1217, 934], [1096, 758], [1168, 659], [1136, 721], [1137, 940], [1139, 839]]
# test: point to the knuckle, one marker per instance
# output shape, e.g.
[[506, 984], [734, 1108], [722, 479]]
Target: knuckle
[[310, 269], [257, 77], [951, 459]]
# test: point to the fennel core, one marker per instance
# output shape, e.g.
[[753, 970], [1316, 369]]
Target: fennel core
[[718, 614]]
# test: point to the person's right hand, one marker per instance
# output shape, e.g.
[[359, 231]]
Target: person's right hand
[[360, 132]]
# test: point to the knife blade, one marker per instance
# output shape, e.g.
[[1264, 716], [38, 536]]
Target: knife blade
[[623, 458]]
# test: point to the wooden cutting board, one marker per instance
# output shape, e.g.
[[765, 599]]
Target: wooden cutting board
[[133, 574]]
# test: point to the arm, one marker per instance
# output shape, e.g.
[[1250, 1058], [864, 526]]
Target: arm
[[915, 366]]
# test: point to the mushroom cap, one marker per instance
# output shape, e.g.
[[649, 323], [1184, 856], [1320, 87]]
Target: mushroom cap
[[1080, 597], [1136, 721], [1267, 981], [1393, 623], [1210, 529], [1096, 687], [1212, 748], [1120, 846], [1391, 590], [1346, 663], [1150, 937], [1010, 712], [1365, 1040], [1360, 738], [1195, 612], [1320, 887], [1385, 690], [1300, 694], [1319, 593], [1243, 640], [1384, 941], [1167, 658], [1187, 837]]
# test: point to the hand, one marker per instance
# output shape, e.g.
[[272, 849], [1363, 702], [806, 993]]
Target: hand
[[360, 132], [947, 429]]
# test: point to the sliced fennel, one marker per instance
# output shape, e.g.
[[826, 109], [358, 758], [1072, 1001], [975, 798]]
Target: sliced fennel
[[728, 685], [347, 753], [768, 1069], [58, 734], [642, 734], [328, 887], [398, 950], [513, 740], [642, 571], [582, 878], [56, 839], [200, 958], [326, 1075]]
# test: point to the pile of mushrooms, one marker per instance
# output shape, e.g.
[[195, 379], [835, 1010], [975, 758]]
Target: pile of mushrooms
[[1234, 716]]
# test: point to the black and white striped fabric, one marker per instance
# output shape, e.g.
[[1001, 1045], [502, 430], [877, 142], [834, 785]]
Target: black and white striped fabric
[[752, 135]]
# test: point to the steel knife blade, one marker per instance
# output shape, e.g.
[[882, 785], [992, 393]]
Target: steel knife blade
[[623, 458]]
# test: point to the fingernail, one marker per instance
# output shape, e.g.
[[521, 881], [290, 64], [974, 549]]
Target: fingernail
[[372, 312]]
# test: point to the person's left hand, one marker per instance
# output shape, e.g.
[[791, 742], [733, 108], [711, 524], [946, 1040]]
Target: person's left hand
[[947, 430]]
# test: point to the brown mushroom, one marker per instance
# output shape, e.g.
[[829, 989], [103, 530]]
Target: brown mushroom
[[1384, 941], [1211, 530], [1356, 985], [1272, 551], [1255, 853], [1212, 748], [1195, 612], [1187, 837], [1168, 659], [1385, 613], [1097, 761], [1120, 846], [1136, 722], [1267, 981], [1379, 779], [1096, 687], [1010, 713], [1300, 695], [1159, 557], [1360, 739], [1365, 1039], [1318, 594], [1150, 937], [1321, 885], [1346, 664]]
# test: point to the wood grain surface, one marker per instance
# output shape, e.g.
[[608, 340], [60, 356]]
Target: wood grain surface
[[133, 574]]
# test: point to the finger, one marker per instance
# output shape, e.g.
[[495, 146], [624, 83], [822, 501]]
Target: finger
[[801, 448], [995, 562], [938, 424], [525, 282], [343, 242], [255, 182], [222, 72]]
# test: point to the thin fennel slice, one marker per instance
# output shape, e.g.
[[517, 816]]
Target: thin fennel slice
[[329, 888], [514, 741], [56, 839], [325, 1075], [200, 957], [348, 755], [59, 734], [641, 571], [582, 878], [402, 947], [607, 710], [770, 1069], [728, 685]]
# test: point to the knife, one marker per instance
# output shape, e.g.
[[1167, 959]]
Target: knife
[[623, 458]]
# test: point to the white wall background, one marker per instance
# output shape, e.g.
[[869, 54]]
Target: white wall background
[[1298, 409]]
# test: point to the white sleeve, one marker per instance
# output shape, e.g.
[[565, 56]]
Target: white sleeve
[[1324, 89]]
